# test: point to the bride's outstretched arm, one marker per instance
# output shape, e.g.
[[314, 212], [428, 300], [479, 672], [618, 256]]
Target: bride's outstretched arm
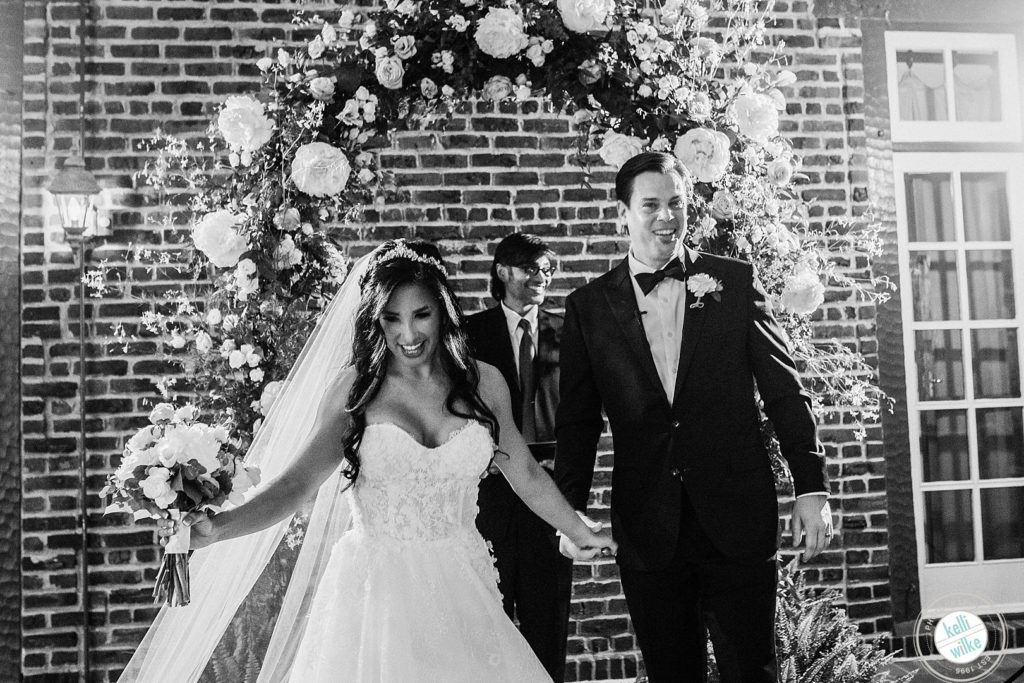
[[320, 457], [529, 480]]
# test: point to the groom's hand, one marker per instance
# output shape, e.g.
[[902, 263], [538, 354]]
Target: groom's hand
[[812, 519], [574, 552]]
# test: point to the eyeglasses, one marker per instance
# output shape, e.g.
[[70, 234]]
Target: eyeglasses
[[531, 270]]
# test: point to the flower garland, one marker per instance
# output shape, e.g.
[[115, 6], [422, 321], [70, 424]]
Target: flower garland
[[681, 78]]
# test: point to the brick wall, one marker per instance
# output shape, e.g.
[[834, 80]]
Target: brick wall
[[168, 64]]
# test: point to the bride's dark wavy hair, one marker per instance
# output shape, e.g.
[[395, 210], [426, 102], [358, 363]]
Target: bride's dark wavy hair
[[387, 272]]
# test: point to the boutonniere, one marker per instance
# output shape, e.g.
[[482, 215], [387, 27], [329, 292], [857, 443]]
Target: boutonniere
[[701, 284]]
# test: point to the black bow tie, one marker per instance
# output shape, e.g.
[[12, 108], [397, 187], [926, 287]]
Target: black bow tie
[[648, 281]]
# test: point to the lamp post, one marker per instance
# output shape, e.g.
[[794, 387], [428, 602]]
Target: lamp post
[[74, 188]]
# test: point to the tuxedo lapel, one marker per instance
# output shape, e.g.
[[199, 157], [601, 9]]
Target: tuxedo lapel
[[622, 301], [693, 323]]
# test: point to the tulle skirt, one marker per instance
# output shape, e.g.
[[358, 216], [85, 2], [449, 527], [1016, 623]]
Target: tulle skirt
[[395, 611]]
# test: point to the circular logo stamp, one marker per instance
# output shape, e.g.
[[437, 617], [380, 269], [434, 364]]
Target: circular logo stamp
[[961, 638]]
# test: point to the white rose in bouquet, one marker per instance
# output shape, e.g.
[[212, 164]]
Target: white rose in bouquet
[[157, 486], [162, 412], [244, 125], [501, 33], [583, 16], [704, 152], [756, 116], [497, 88], [802, 292], [217, 237], [617, 149], [320, 169], [390, 72]]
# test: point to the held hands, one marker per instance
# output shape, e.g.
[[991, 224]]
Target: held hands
[[594, 543], [812, 518], [201, 523]]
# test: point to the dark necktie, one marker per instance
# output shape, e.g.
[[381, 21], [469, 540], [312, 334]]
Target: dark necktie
[[526, 381], [673, 269]]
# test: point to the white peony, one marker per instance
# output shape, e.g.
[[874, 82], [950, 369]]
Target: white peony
[[269, 395], [497, 88], [142, 439], [705, 153], [617, 149], [320, 169], [390, 72], [162, 412], [322, 88], [802, 292], [287, 254], [501, 33], [216, 236], [582, 16], [756, 116], [244, 124], [156, 486]]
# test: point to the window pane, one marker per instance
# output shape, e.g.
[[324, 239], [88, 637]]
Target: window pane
[[990, 284], [936, 292], [922, 86], [1001, 443], [949, 526], [929, 207], [976, 86], [940, 365], [945, 452], [1002, 522], [996, 370], [986, 211]]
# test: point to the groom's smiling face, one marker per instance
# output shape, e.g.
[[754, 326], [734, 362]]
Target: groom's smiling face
[[655, 217]]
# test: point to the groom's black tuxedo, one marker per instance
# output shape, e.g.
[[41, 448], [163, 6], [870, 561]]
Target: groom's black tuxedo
[[535, 579], [690, 474]]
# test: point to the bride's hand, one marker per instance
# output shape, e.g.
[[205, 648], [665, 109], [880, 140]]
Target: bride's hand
[[201, 523], [598, 542]]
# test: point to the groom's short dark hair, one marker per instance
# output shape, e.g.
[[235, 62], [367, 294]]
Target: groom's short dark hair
[[647, 162], [518, 249]]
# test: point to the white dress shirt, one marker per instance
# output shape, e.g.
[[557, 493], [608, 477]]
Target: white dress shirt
[[662, 312], [515, 333]]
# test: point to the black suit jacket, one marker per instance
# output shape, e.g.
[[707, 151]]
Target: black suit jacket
[[708, 436], [489, 341]]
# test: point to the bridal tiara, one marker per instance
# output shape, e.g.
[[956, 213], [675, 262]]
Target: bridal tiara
[[403, 251]]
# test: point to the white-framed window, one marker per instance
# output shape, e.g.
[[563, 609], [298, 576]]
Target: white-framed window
[[953, 87], [960, 226]]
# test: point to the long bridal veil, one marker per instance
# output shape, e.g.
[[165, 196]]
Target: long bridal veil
[[181, 640]]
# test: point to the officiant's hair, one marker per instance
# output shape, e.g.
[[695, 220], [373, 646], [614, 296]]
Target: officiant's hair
[[401, 262], [648, 162], [517, 249]]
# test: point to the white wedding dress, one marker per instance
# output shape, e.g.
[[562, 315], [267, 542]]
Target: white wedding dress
[[410, 591]]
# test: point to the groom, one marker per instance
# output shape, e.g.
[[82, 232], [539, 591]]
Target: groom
[[670, 344]]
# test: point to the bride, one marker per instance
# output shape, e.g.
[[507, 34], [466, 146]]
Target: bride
[[409, 592]]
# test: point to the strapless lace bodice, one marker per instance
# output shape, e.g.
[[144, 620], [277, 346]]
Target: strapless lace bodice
[[409, 492]]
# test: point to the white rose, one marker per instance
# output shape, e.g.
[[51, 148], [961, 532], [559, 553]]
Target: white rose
[[287, 255], [162, 412], [349, 114], [535, 53], [389, 72], [204, 343], [617, 149], [215, 235], [328, 34], [644, 90], [186, 413], [322, 88], [264, 63], [244, 124], [756, 116], [236, 359], [316, 48], [320, 170], [582, 16], [705, 153], [780, 172], [802, 292], [724, 205], [501, 33], [365, 176], [256, 375], [156, 487], [245, 280], [269, 395], [213, 317], [284, 58], [702, 284], [177, 341], [428, 88], [405, 46], [458, 22], [497, 88]]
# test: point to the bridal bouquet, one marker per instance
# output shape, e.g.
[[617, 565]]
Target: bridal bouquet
[[174, 466]]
